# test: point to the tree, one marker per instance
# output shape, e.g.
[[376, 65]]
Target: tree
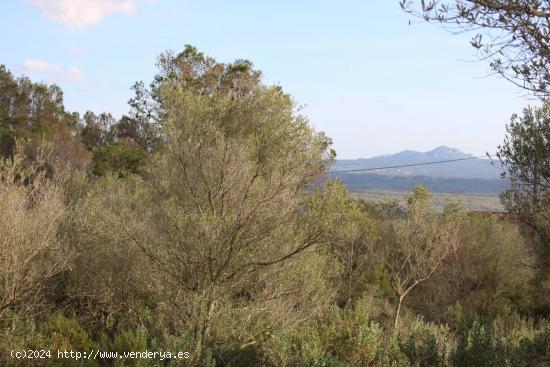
[[490, 270], [224, 202], [201, 74], [234, 175], [194, 72], [411, 248], [525, 154], [513, 35], [117, 146], [35, 112], [96, 129], [350, 234], [31, 250]]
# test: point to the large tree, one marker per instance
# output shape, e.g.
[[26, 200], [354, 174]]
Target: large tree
[[223, 206], [513, 35]]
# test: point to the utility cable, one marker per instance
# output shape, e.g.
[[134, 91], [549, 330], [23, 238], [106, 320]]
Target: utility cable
[[407, 165]]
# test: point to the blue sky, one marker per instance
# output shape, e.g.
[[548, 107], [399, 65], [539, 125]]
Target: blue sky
[[371, 81]]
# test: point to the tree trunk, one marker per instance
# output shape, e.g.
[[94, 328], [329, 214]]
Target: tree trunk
[[397, 311]]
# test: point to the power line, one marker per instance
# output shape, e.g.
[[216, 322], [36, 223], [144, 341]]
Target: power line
[[407, 165]]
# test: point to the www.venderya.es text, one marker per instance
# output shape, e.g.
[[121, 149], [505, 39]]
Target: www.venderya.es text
[[96, 354]]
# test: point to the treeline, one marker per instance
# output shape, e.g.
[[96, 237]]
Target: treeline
[[195, 224], [33, 113]]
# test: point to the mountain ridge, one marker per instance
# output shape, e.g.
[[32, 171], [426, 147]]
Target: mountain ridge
[[471, 169]]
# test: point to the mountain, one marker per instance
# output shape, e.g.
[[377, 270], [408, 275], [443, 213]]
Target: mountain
[[476, 176], [475, 168]]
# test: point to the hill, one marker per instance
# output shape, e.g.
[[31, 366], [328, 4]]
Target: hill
[[476, 176], [475, 168]]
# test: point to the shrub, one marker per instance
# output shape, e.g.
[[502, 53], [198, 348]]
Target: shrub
[[427, 344], [345, 337]]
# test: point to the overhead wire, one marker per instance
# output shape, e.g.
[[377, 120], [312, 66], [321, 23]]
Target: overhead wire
[[407, 165]]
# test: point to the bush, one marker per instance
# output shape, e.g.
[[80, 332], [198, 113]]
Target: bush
[[482, 345], [427, 344], [345, 337]]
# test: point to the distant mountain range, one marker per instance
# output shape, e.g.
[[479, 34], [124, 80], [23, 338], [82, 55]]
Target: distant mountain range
[[475, 168], [478, 176]]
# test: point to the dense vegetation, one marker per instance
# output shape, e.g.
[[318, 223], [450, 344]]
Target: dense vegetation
[[195, 223]]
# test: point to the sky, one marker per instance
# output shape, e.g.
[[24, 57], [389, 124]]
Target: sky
[[366, 77]]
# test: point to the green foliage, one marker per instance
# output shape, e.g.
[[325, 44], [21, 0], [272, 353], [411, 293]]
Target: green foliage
[[489, 272], [533, 351], [119, 157], [491, 345], [413, 245], [55, 333], [524, 154], [203, 229], [7, 141], [479, 347], [66, 334], [344, 337], [350, 240], [119, 146], [427, 344], [35, 112], [18, 332]]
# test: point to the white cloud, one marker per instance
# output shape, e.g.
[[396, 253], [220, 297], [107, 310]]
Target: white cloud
[[55, 72], [37, 65], [83, 13]]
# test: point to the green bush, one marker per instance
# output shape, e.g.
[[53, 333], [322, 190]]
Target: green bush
[[479, 347], [427, 344], [482, 345], [345, 337], [533, 352], [55, 333]]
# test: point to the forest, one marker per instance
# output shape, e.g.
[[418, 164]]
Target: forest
[[195, 223]]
